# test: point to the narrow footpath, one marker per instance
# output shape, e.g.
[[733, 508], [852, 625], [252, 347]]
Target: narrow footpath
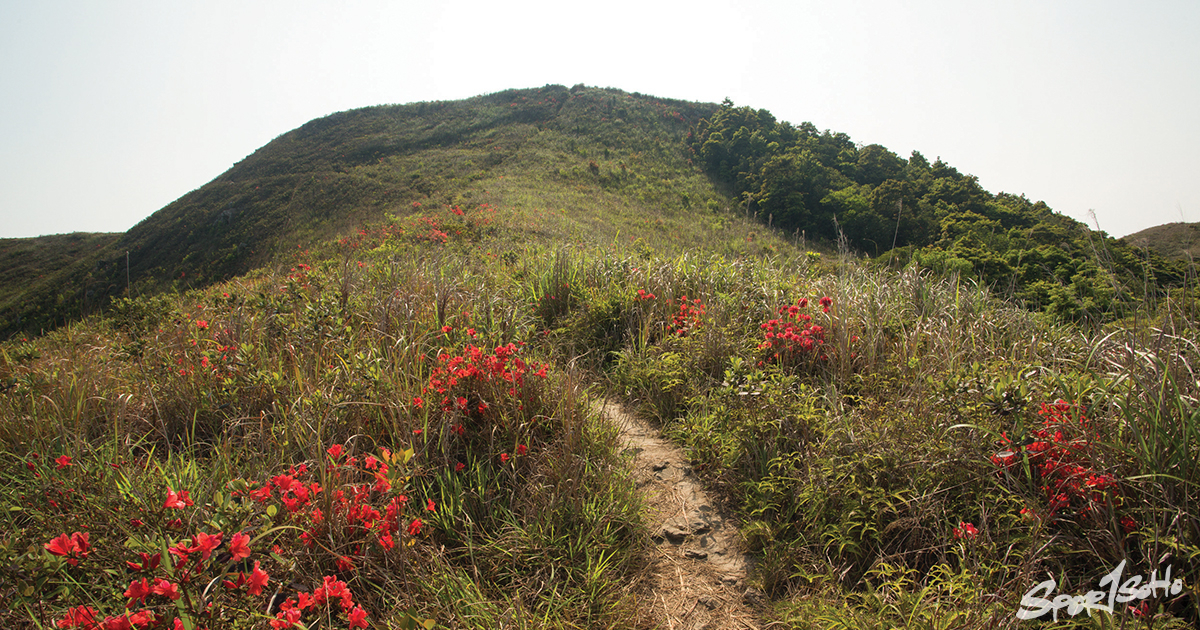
[[697, 578]]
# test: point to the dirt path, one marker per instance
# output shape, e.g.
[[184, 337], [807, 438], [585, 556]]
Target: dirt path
[[698, 574]]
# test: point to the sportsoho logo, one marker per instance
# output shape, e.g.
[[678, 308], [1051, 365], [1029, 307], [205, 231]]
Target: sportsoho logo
[[1035, 603]]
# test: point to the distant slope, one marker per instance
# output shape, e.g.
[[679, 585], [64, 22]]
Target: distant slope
[[35, 267], [573, 150], [1175, 241]]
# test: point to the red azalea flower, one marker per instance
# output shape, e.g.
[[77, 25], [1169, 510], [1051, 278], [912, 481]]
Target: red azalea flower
[[357, 618], [258, 580], [80, 539], [205, 543], [61, 546], [167, 589], [965, 530], [177, 501], [239, 546], [138, 591], [63, 461], [149, 562], [79, 617]]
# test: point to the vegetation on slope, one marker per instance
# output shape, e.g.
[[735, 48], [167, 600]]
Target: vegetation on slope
[[797, 178], [898, 447], [607, 159], [1177, 241]]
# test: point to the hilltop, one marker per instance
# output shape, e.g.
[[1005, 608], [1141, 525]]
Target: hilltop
[[582, 160], [595, 163]]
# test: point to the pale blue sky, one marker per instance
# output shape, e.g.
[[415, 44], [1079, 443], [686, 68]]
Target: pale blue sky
[[111, 110]]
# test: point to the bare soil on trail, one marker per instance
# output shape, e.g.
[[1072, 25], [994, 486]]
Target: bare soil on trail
[[697, 577]]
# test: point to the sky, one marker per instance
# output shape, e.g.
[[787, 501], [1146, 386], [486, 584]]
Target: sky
[[111, 110]]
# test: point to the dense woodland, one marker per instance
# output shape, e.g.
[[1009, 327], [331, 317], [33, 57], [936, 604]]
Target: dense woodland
[[797, 178]]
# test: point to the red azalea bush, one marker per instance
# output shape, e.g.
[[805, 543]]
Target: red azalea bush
[[206, 565], [794, 339], [1062, 466], [478, 396]]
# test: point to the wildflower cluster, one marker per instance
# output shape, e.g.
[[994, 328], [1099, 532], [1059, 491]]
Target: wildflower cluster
[[161, 581], [366, 515], [335, 517], [321, 602], [1059, 456], [792, 338], [688, 317], [370, 237], [459, 223], [480, 388]]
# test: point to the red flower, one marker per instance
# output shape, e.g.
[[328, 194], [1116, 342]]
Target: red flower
[[239, 546], [521, 449], [138, 591], [357, 618], [503, 458], [60, 546], [965, 530], [63, 461], [414, 527], [177, 501], [167, 589], [79, 617], [74, 547], [149, 562], [202, 324], [430, 505], [418, 402], [206, 543], [258, 580]]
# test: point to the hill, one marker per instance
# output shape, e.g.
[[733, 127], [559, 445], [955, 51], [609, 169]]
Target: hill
[[401, 414], [31, 267], [1175, 241], [603, 159]]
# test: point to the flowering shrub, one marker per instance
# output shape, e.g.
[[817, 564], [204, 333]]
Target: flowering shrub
[[478, 391], [792, 339], [1059, 456], [688, 317], [330, 519]]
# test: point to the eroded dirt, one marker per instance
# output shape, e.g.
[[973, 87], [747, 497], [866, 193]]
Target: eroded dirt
[[697, 579]]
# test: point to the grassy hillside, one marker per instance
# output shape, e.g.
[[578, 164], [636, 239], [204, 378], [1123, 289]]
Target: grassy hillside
[[581, 161], [402, 416], [31, 268], [1179, 241]]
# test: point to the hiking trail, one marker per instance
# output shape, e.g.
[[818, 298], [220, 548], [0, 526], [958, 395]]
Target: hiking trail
[[697, 577]]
